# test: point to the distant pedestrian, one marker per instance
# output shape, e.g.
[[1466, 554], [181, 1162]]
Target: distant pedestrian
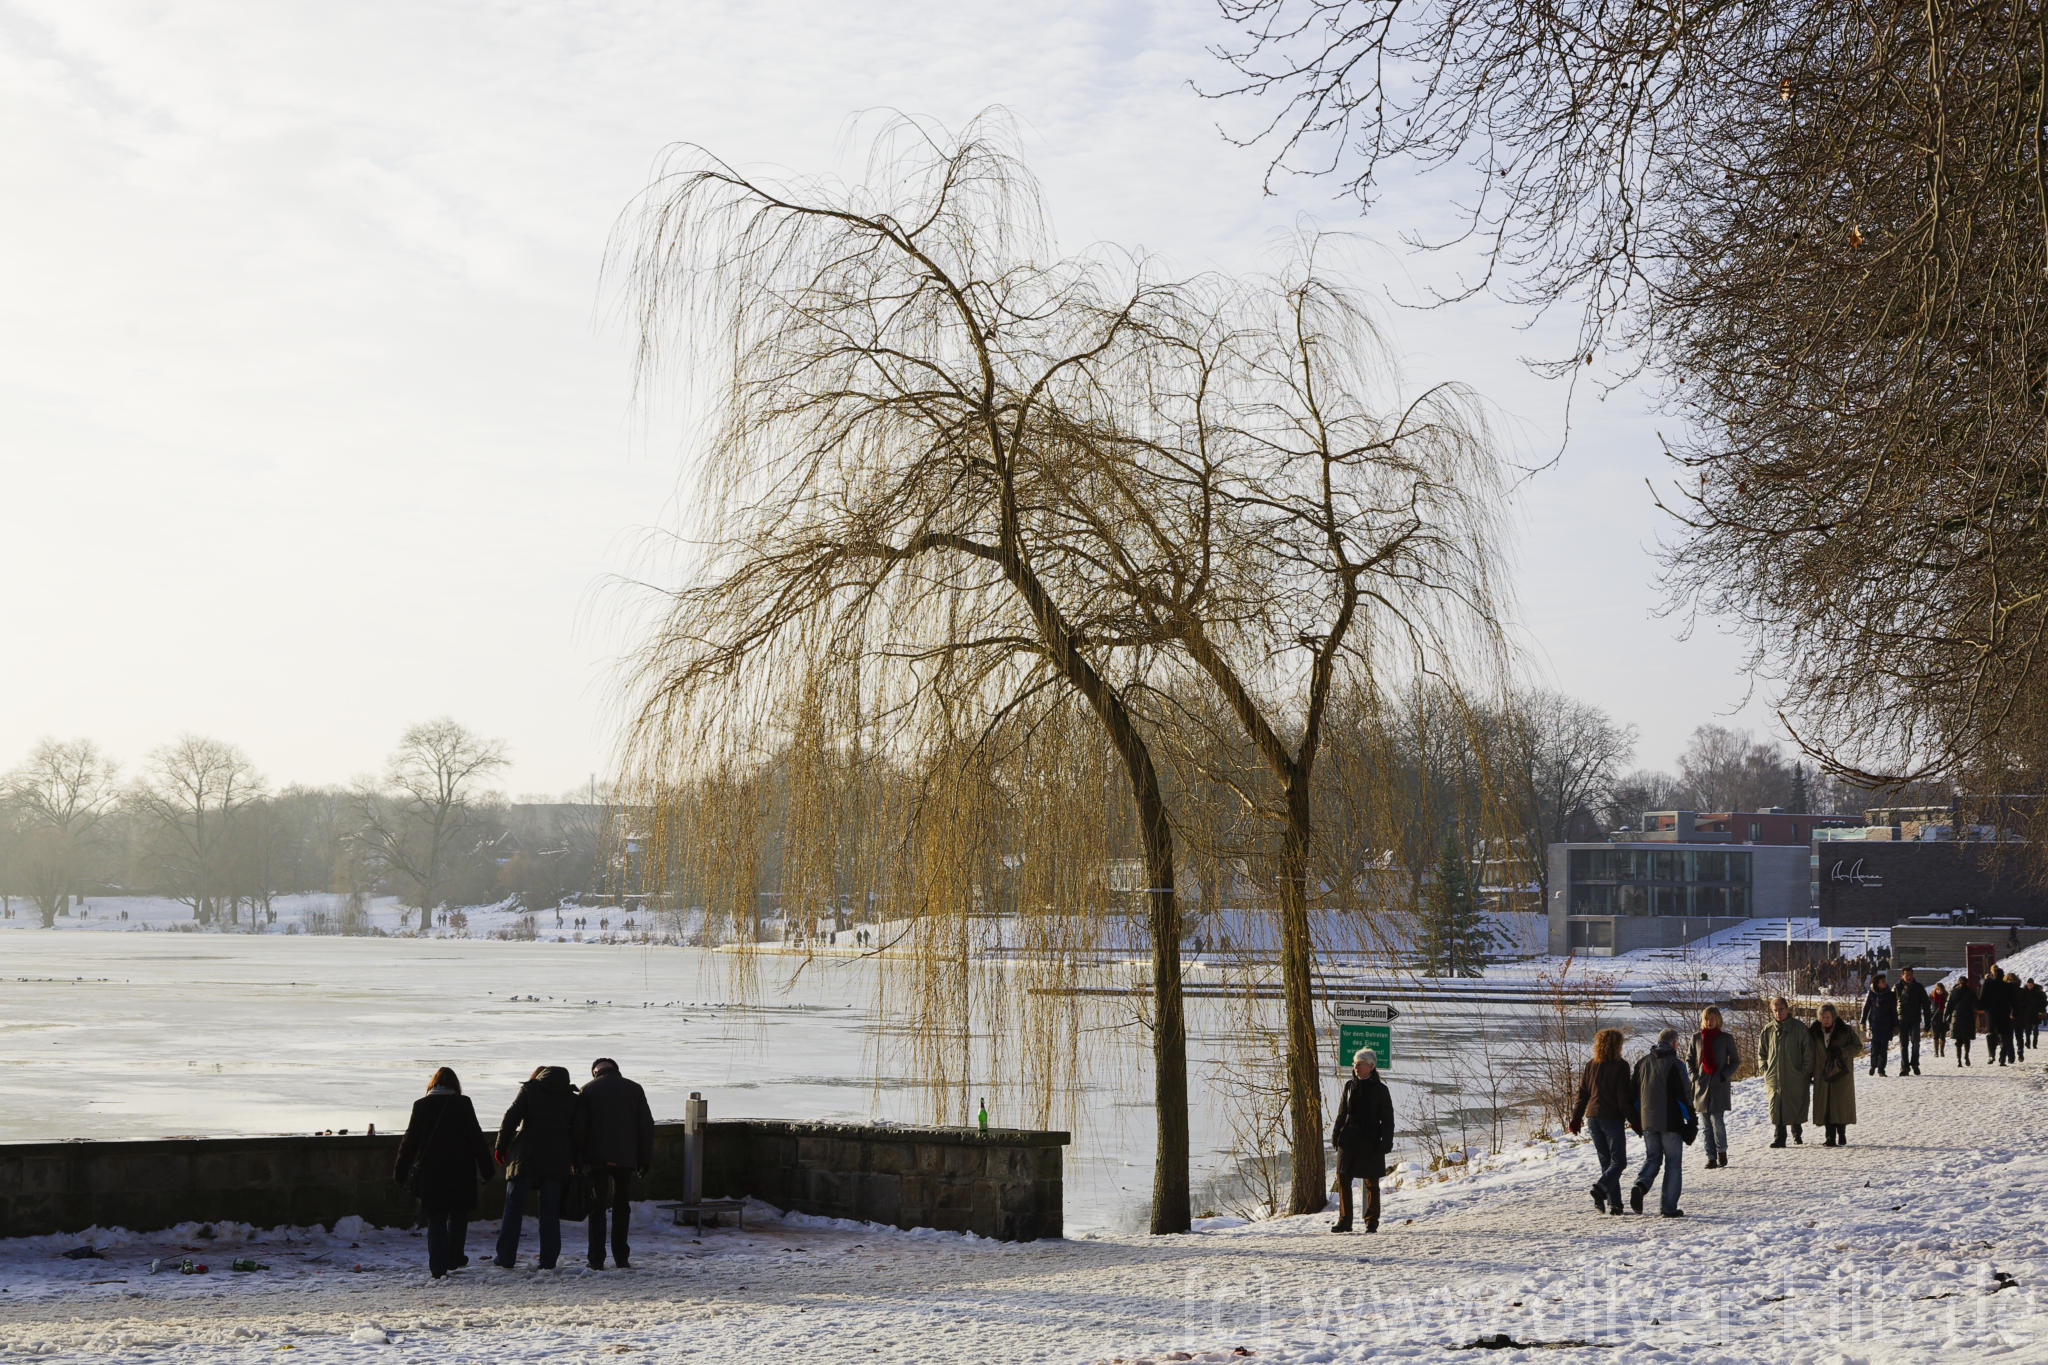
[[1836, 1048], [1937, 1019], [2037, 1006], [1362, 1135], [1994, 997], [614, 1142], [1785, 1056], [1962, 1019], [441, 1159], [1880, 1019], [1607, 1102], [1663, 1114], [1712, 1060], [537, 1143], [1910, 1008]]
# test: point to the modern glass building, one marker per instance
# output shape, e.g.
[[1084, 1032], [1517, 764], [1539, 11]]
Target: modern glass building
[[1615, 897]]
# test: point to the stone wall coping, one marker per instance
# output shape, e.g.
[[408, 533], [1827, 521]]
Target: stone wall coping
[[833, 1128], [959, 1135]]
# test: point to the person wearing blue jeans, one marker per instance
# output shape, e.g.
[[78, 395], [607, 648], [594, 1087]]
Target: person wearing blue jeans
[[1711, 1060], [1663, 1109], [536, 1142], [1606, 1103]]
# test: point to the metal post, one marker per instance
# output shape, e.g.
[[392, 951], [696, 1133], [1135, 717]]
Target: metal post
[[695, 1115]]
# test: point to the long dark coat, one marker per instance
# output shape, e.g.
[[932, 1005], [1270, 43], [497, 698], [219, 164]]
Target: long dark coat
[[443, 1154], [1834, 1073], [1962, 1013], [1364, 1131], [538, 1134], [614, 1126]]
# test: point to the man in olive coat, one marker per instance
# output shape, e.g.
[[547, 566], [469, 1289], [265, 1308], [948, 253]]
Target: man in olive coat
[[1362, 1135], [1785, 1056]]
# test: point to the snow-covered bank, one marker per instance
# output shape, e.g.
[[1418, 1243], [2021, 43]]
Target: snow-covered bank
[[1918, 1242]]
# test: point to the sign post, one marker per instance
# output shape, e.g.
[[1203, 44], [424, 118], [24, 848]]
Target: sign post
[[1362, 1026]]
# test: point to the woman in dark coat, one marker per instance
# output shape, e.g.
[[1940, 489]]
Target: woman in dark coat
[[1962, 1019], [1607, 1101], [537, 1144], [1937, 1017], [1836, 1048], [1362, 1135], [441, 1158]]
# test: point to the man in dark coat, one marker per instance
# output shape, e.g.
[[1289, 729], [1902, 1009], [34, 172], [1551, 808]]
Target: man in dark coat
[[1962, 1019], [1880, 1021], [441, 1159], [537, 1143], [1994, 997], [1362, 1135], [614, 1139], [1663, 1109], [1913, 1010], [2037, 1006]]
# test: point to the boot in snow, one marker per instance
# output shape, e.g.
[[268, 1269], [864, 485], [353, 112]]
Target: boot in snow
[[1635, 1197]]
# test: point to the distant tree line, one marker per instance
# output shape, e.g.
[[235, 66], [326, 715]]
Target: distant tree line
[[196, 822]]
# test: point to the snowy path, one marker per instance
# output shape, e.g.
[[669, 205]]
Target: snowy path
[[1886, 1251]]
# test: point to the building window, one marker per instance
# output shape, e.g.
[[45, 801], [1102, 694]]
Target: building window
[[1637, 881]]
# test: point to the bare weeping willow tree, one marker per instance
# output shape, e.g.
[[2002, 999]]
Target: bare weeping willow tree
[[906, 388], [1347, 545]]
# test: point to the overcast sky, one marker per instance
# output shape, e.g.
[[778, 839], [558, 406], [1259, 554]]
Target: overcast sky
[[314, 420]]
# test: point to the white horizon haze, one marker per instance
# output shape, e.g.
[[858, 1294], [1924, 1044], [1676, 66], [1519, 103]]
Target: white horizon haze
[[316, 420]]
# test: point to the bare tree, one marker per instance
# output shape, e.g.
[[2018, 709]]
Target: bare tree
[[1726, 769], [1821, 224], [914, 393], [419, 819], [190, 792], [61, 793], [1347, 544], [1563, 756]]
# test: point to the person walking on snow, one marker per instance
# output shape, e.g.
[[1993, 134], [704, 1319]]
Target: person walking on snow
[[1836, 1048], [1962, 1018], [1362, 1135], [1937, 1019], [1712, 1060], [1663, 1115], [1910, 1007], [1881, 1018], [441, 1159], [1995, 999], [1607, 1101], [2037, 1005], [537, 1143], [1785, 1056], [614, 1141]]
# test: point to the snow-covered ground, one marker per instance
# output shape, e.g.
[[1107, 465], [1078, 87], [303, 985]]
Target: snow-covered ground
[[1921, 1241]]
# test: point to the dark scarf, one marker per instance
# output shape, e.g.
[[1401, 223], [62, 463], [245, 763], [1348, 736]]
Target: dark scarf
[[1707, 1039]]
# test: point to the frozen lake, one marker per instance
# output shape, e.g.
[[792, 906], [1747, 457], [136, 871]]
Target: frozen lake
[[113, 1035]]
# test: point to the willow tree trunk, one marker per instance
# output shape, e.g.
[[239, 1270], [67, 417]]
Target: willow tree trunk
[[1170, 1206], [1309, 1191]]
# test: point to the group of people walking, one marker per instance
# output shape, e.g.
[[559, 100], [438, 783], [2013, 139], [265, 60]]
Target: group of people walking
[[2012, 1011], [556, 1144]]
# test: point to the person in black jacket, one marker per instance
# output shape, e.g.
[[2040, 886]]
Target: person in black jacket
[[537, 1143], [1607, 1100], [1912, 1009], [1994, 997], [2037, 1005], [1363, 1135], [1880, 1021], [614, 1139], [440, 1159], [1962, 1019]]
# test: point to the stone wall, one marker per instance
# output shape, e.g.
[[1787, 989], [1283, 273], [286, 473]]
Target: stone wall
[[1004, 1184]]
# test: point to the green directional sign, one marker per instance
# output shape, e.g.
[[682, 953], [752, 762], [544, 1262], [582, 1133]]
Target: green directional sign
[[1364, 1023], [1352, 1037]]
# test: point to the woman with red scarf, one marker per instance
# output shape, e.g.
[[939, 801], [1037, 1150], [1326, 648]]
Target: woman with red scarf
[[1712, 1060]]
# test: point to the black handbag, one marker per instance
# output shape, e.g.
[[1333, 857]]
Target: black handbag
[[576, 1199]]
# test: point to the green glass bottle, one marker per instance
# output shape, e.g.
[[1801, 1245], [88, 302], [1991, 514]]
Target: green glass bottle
[[981, 1119]]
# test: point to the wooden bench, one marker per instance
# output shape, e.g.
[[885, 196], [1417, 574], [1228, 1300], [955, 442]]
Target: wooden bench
[[696, 1211]]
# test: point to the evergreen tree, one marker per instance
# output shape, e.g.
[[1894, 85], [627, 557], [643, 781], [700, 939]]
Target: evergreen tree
[[1454, 938], [1802, 799]]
